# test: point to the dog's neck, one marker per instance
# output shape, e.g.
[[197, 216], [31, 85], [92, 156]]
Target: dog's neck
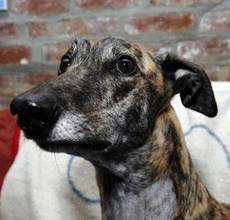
[[118, 201], [155, 179]]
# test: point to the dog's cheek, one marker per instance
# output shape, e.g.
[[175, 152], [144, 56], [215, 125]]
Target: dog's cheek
[[70, 127], [132, 119], [136, 127]]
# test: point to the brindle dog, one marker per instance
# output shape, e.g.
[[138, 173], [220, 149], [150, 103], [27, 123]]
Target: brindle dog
[[110, 104]]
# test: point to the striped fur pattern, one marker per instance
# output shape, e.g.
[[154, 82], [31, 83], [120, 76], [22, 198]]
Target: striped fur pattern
[[112, 107]]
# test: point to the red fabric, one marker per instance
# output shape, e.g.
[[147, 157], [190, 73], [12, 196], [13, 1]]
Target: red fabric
[[15, 143], [9, 140]]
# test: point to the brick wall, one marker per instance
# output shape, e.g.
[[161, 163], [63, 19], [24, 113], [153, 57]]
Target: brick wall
[[35, 33]]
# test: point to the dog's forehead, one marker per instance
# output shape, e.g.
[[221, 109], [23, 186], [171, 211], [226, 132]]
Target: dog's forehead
[[103, 50], [109, 48]]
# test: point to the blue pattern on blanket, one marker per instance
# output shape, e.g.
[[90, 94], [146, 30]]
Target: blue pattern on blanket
[[213, 135], [89, 201], [75, 188]]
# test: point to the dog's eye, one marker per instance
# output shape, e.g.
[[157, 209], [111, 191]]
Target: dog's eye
[[65, 63], [126, 65]]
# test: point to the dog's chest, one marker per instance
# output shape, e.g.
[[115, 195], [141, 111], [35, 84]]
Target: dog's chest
[[157, 202]]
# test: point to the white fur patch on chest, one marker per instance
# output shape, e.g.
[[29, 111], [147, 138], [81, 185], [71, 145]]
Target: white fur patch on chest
[[160, 200], [156, 202]]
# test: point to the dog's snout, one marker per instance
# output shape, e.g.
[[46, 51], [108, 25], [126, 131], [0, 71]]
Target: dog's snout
[[34, 110]]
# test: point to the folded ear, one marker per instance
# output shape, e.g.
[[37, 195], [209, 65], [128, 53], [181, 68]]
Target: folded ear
[[191, 81]]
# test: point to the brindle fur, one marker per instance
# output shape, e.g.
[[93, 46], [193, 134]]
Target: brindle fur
[[127, 128], [193, 199]]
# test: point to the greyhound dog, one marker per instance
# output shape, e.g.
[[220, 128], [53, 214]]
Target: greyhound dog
[[110, 104]]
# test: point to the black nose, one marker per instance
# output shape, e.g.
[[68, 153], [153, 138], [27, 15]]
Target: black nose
[[35, 111]]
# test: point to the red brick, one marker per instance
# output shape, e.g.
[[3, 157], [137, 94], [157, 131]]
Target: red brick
[[76, 26], [167, 22], [87, 26], [184, 2], [156, 48], [11, 84], [100, 4], [35, 79], [14, 83], [204, 48], [8, 29], [52, 53], [47, 7], [18, 6], [219, 20], [37, 29], [14, 54]]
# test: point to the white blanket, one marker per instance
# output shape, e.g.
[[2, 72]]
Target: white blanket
[[47, 186]]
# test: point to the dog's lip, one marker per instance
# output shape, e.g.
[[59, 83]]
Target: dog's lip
[[72, 147], [33, 128], [65, 146]]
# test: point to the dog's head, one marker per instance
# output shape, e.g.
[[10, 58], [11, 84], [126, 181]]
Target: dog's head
[[107, 96]]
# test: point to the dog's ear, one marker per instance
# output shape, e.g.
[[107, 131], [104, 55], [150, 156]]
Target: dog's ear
[[191, 81]]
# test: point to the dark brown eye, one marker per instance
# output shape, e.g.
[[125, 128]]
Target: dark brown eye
[[126, 65], [65, 62]]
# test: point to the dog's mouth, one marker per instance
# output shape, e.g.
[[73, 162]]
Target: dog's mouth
[[39, 132], [71, 147], [33, 128], [64, 146]]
